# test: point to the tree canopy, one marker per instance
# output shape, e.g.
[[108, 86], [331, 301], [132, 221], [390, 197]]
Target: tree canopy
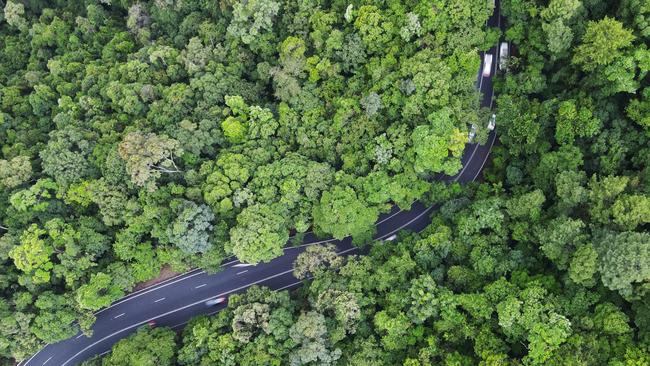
[[137, 135]]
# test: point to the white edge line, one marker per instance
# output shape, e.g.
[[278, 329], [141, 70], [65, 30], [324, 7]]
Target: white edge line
[[282, 273], [159, 285], [34, 355], [192, 270], [334, 239], [487, 156], [377, 223]]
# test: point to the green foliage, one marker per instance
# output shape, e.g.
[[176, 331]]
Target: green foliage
[[36, 198], [252, 19], [341, 213], [32, 256], [433, 153], [623, 261], [386, 309], [315, 260], [13, 15], [55, 320], [143, 348], [260, 234], [15, 172], [99, 292], [601, 44], [66, 156], [191, 229]]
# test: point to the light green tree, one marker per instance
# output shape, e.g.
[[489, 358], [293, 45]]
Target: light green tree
[[99, 292], [341, 212], [602, 43]]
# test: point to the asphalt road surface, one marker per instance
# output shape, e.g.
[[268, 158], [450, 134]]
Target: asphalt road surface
[[173, 302]]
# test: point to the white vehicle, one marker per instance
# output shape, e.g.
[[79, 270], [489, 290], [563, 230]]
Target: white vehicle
[[492, 122], [218, 300], [504, 52], [472, 133], [487, 65], [391, 238]]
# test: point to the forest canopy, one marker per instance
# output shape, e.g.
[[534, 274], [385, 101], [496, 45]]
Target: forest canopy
[[137, 135]]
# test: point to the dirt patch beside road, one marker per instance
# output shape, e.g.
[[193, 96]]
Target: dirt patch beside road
[[165, 273]]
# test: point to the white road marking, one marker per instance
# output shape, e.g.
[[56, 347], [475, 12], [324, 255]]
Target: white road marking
[[230, 262], [332, 239], [117, 316], [79, 336], [242, 272], [34, 355], [243, 265], [291, 284], [161, 299], [486, 157], [173, 311], [105, 352], [201, 285], [408, 223], [47, 360]]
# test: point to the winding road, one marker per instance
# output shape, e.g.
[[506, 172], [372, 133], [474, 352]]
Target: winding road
[[173, 302]]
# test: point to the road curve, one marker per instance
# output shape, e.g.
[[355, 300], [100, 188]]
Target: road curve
[[174, 301]]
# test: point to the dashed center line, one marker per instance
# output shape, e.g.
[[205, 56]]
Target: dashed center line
[[79, 336], [117, 316], [47, 360], [201, 285], [238, 273], [161, 299]]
